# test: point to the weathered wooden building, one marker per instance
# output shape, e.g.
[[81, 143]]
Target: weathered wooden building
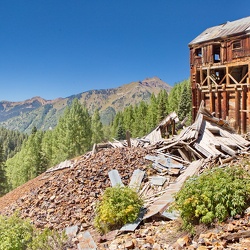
[[220, 72]]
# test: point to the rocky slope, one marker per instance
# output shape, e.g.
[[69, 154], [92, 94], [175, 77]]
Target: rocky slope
[[43, 114], [65, 198]]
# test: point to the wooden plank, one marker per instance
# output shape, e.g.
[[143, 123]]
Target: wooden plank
[[236, 236], [228, 150], [136, 179], [184, 154]]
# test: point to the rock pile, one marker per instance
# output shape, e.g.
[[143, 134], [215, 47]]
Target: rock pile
[[67, 197]]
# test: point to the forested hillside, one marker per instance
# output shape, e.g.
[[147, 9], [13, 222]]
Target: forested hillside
[[77, 131], [11, 142]]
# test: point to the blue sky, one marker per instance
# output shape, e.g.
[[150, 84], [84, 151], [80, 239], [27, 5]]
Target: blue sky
[[56, 48]]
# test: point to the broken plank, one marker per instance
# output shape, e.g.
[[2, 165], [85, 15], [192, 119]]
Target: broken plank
[[166, 199], [236, 236], [183, 154]]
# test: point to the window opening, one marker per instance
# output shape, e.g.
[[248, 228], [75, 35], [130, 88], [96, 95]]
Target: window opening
[[216, 53], [198, 52], [237, 45]]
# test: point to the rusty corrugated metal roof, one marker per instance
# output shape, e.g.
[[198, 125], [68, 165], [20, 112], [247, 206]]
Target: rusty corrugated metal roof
[[224, 30]]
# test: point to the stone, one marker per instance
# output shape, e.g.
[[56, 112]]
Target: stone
[[129, 244], [71, 231]]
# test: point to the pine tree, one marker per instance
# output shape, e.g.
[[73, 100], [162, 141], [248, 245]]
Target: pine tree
[[121, 133], [97, 128], [118, 121], [151, 117], [28, 163], [139, 126], [162, 101], [3, 179], [174, 98], [72, 135], [185, 106]]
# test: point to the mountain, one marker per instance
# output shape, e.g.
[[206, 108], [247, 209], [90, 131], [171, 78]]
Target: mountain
[[44, 114]]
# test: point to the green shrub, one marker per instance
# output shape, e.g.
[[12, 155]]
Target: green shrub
[[15, 234], [213, 196], [119, 205], [20, 234]]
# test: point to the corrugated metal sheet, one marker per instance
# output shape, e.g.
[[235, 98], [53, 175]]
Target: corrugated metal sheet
[[223, 30]]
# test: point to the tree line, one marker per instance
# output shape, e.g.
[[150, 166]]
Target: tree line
[[144, 117], [77, 131]]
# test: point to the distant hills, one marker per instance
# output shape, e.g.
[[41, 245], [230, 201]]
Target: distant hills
[[44, 114]]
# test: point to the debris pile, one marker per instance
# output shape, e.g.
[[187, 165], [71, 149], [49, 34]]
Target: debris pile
[[64, 197]]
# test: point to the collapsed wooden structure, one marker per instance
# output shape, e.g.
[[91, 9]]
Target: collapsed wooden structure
[[220, 72]]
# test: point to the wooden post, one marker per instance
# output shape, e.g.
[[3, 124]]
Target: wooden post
[[128, 135], [244, 108], [173, 127], [218, 105], [211, 94], [224, 111], [237, 110], [194, 108]]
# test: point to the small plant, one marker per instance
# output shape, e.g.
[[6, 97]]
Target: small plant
[[214, 195], [17, 234], [119, 205], [48, 239]]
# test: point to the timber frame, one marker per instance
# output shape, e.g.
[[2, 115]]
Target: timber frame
[[220, 72]]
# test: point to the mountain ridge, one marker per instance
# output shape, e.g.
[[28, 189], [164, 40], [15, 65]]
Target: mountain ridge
[[44, 114]]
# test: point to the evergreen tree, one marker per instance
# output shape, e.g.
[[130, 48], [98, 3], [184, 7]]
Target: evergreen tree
[[139, 125], [3, 179], [121, 133], [162, 101], [128, 118], [151, 117], [72, 135], [174, 98], [185, 104], [11, 142], [97, 128], [117, 122], [28, 163]]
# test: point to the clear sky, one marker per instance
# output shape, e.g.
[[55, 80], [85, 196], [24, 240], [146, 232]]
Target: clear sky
[[56, 48]]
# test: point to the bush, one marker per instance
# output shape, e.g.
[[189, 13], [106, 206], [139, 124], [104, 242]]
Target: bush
[[18, 234], [15, 234], [119, 205], [213, 196]]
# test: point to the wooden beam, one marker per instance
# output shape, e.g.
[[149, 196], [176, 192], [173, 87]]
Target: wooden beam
[[244, 107], [218, 105], [224, 110], [237, 110]]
